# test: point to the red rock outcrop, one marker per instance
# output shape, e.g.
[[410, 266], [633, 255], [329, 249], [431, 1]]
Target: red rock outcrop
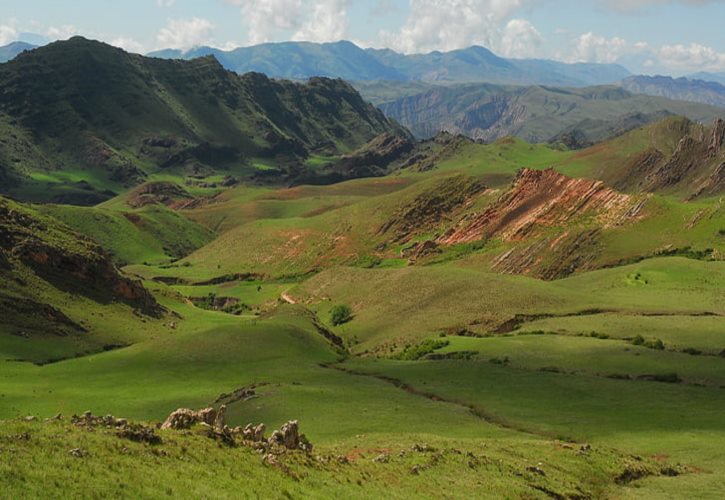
[[540, 199]]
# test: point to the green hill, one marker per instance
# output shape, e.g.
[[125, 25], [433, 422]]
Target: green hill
[[81, 120]]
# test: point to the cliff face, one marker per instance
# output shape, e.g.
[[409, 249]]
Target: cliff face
[[684, 89], [540, 199], [66, 260], [537, 114]]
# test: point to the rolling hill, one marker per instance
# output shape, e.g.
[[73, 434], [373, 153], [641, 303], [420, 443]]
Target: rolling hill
[[442, 318]]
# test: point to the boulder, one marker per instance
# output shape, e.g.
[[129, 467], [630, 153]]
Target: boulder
[[289, 437], [185, 418], [254, 433]]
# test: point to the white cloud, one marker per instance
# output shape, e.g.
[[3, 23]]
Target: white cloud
[[185, 33], [61, 32], [8, 33], [165, 3], [327, 22], [265, 19], [311, 20], [451, 24], [128, 44], [630, 6], [692, 57], [598, 49], [519, 39]]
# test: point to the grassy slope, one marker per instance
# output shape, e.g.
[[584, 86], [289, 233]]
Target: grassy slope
[[192, 466], [152, 234], [207, 353]]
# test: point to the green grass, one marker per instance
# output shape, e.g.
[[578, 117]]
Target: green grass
[[591, 356], [704, 333], [432, 299], [153, 234], [189, 465], [648, 418]]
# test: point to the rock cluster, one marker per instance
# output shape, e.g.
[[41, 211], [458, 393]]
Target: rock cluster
[[89, 420], [184, 418], [124, 429], [287, 437]]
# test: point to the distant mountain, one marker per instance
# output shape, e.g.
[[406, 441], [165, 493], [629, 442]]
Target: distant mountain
[[708, 77], [9, 51], [576, 117], [300, 60], [89, 112], [683, 89], [297, 60]]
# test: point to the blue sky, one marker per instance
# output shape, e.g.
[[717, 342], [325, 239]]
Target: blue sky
[[647, 36]]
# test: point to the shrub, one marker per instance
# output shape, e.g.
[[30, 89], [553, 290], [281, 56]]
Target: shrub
[[411, 353], [655, 344], [597, 335], [638, 340], [340, 314], [692, 351]]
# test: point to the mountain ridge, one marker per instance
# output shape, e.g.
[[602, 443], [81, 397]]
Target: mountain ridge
[[85, 105], [344, 59], [683, 89], [576, 117]]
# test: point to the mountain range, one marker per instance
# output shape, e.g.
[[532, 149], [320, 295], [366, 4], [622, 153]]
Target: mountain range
[[575, 116], [300, 60]]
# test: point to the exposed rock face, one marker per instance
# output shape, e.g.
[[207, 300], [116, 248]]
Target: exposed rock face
[[682, 89], [254, 433], [289, 437], [184, 418], [66, 259], [431, 207], [694, 167], [543, 198]]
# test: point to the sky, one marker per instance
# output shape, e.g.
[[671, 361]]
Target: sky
[[673, 37]]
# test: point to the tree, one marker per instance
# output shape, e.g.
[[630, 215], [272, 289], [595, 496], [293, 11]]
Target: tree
[[340, 314]]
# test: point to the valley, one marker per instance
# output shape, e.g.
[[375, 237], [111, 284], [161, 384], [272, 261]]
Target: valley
[[444, 317]]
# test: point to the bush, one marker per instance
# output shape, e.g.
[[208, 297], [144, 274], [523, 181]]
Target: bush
[[340, 314], [411, 353], [692, 351], [655, 344], [638, 340]]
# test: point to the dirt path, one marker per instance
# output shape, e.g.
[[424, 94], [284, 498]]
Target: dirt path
[[286, 297]]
